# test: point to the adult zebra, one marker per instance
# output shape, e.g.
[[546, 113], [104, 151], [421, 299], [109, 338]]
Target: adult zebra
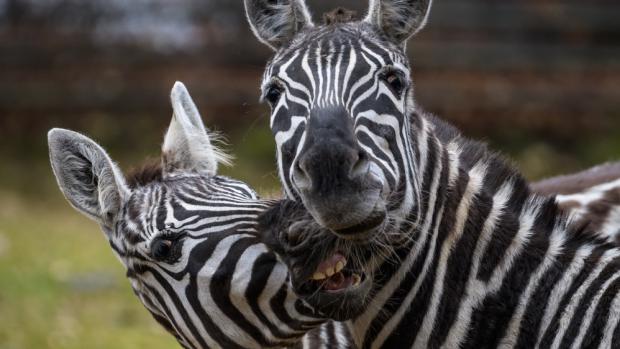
[[452, 248]]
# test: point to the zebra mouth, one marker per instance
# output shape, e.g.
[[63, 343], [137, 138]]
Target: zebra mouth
[[333, 276], [325, 271], [365, 229], [337, 289]]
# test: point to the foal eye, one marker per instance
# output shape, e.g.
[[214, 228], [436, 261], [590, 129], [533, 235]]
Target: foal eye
[[165, 249], [273, 94], [161, 249]]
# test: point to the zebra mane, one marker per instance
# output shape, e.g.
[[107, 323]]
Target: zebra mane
[[503, 170], [151, 171]]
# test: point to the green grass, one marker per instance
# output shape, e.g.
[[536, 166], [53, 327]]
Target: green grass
[[61, 286]]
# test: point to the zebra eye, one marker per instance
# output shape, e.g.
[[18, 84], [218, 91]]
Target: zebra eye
[[161, 249], [273, 94], [165, 248], [395, 82]]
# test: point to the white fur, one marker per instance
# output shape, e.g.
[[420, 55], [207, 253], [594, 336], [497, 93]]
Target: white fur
[[399, 19], [277, 29], [187, 145], [86, 175]]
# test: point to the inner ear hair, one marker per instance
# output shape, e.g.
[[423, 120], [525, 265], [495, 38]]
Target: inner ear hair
[[275, 23], [399, 20], [86, 175]]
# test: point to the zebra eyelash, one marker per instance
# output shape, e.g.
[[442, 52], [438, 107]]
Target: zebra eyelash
[[390, 71], [274, 86], [168, 234], [166, 246]]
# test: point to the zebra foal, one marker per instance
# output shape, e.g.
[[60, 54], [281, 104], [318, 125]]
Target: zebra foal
[[188, 240], [414, 235]]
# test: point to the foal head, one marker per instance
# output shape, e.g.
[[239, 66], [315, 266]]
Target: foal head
[[186, 236]]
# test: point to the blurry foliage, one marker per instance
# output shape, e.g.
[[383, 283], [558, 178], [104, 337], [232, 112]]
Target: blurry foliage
[[539, 80]]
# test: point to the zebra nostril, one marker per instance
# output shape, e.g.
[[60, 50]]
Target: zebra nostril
[[360, 164], [301, 175], [301, 170]]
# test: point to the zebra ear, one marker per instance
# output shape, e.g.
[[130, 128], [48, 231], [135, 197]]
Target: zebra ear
[[399, 19], [275, 22], [187, 144], [86, 175]]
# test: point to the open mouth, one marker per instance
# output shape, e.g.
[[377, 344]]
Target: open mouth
[[333, 275], [337, 289]]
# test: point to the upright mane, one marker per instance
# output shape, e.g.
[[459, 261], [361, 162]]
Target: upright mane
[[502, 170], [150, 171]]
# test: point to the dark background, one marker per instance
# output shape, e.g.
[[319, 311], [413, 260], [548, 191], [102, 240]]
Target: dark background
[[538, 79]]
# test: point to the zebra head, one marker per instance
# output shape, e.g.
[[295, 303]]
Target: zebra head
[[340, 97], [187, 237]]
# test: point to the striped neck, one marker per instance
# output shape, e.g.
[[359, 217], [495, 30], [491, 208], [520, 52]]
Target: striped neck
[[483, 247]]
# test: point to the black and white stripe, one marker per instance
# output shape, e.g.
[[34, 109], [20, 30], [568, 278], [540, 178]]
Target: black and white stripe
[[593, 195], [336, 72], [469, 257], [487, 264], [188, 239], [225, 289], [492, 265]]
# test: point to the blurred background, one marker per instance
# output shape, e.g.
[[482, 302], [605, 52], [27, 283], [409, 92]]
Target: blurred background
[[538, 79]]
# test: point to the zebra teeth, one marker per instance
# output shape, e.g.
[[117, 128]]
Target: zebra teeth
[[330, 267], [340, 265], [356, 279], [319, 276]]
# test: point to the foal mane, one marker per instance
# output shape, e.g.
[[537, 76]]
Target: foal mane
[[150, 171]]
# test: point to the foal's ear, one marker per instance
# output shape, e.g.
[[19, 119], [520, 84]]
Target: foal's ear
[[87, 177], [275, 22], [399, 19], [187, 144]]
